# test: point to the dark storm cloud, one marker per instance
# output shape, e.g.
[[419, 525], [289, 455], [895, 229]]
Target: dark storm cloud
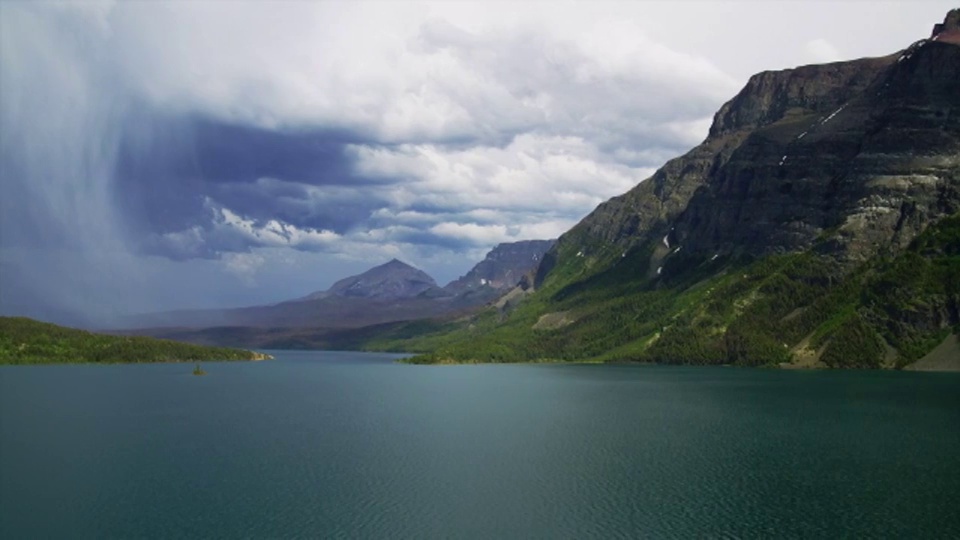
[[157, 181], [301, 205], [237, 153], [169, 170], [427, 238]]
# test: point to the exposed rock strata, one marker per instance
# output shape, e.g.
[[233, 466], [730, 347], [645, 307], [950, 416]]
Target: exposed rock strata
[[856, 157]]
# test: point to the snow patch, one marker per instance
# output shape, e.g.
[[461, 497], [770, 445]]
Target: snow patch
[[834, 113], [911, 49], [579, 254], [666, 242], [678, 249], [715, 255], [659, 270], [783, 160], [802, 135]]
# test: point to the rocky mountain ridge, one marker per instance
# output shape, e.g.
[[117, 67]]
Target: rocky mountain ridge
[[503, 267], [393, 291]]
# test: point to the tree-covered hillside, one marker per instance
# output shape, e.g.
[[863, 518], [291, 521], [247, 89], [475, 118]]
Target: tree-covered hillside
[[799, 308], [26, 341]]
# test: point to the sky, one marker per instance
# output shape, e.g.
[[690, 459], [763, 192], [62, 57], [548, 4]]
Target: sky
[[164, 155]]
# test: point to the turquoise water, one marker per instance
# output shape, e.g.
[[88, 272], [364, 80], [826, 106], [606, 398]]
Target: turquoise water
[[320, 444]]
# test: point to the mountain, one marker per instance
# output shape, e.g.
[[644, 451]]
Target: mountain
[[817, 224], [503, 267], [394, 291], [390, 281]]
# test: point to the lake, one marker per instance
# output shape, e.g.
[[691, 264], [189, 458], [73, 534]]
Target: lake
[[325, 444]]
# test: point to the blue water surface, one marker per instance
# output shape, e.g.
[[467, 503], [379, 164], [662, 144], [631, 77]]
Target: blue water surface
[[327, 444]]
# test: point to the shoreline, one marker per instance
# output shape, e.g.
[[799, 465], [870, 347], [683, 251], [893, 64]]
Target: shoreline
[[781, 366]]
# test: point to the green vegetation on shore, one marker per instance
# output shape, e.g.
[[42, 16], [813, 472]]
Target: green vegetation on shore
[[26, 341], [801, 308]]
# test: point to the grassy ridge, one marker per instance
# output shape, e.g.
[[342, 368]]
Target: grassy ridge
[[888, 312], [26, 341]]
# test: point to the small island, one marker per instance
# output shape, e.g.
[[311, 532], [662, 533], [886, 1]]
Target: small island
[[199, 370], [26, 341]]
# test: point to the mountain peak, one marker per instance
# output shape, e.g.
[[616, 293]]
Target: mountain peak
[[394, 263], [391, 280], [952, 20], [949, 30]]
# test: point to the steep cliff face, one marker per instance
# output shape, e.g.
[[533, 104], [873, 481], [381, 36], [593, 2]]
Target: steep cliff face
[[862, 154], [796, 99], [772, 96], [866, 173]]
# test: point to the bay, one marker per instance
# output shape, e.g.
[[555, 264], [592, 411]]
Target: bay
[[328, 444]]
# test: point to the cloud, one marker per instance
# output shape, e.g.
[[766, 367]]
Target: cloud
[[545, 175], [274, 233], [408, 79], [534, 187], [244, 265], [528, 126], [820, 50]]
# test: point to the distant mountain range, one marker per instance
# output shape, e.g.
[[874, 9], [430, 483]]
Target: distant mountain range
[[393, 291]]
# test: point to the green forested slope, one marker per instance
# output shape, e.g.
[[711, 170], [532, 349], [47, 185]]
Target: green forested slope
[[799, 308], [26, 341]]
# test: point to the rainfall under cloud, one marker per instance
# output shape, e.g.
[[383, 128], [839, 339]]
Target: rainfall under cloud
[[157, 155]]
